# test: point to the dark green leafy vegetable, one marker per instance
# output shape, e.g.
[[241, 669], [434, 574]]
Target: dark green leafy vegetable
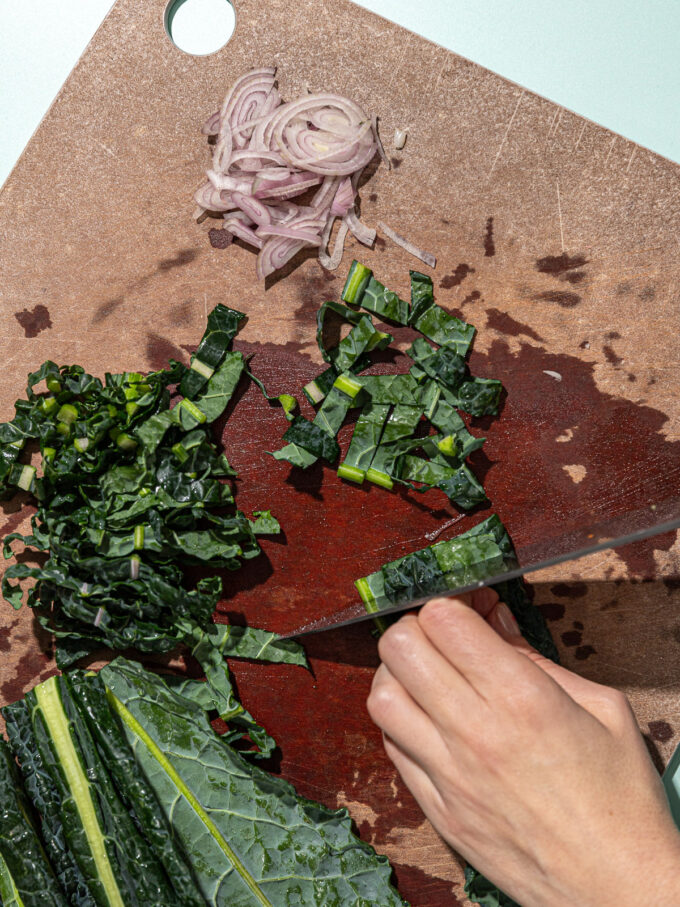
[[148, 806], [395, 389], [447, 330], [478, 554], [384, 303], [461, 562], [318, 388], [445, 417], [343, 312], [44, 795], [26, 876], [479, 396], [118, 865], [296, 455], [422, 295], [440, 567], [412, 576], [257, 843], [312, 438], [136, 795], [481, 891], [363, 338], [443, 365], [365, 440], [388, 462], [401, 424], [357, 280], [223, 325], [436, 387], [132, 491]]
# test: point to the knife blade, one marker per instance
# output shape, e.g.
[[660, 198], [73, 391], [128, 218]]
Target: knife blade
[[357, 613]]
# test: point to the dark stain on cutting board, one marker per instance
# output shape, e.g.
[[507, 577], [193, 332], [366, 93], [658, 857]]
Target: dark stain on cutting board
[[506, 324], [569, 590], [558, 265], [219, 239], [563, 268], [34, 320], [611, 356], [552, 610], [561, 297], [489, 245], [660, 731], [457, 277]]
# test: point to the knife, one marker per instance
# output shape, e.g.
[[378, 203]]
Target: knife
[[357, 613]]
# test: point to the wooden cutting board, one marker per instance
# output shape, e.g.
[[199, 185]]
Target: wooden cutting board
[[556, 238]]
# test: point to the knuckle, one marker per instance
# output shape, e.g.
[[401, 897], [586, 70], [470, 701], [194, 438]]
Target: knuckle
[[615, 708], [381, 702], [440, 612], [530, 701], [618, 701], [396, 638]]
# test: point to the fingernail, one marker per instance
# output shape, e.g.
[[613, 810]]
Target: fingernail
[[506, 619]]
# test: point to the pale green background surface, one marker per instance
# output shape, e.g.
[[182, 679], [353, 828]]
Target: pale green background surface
[[614, 61]]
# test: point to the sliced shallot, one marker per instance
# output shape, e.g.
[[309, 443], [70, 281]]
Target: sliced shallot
[[331, 262], [238, 228], [381, 150], [343, 199], [268, 152], [363, 233], [257, 211], [412, 249]]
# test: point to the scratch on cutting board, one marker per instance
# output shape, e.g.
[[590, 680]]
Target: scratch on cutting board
[[401, 60], [552, 122], [555, 122], [611, 148], [559, 211], [631, 160], [580, 136], [106, 148], [439, 75], [430, 91], [507, 130]]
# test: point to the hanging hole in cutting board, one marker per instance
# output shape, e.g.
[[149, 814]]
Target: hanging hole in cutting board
[[199, 27]]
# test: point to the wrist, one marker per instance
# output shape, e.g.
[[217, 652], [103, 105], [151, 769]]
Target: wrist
[[646, 875]]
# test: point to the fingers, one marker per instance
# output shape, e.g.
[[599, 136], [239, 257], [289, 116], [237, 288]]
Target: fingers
[[474, 649], [415, 778], [432, 680], [401, 718]]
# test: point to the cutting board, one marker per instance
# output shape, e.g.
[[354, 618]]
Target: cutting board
[[558, 239]]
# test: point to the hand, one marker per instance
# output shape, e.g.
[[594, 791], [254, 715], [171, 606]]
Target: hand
[[538, 777]]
